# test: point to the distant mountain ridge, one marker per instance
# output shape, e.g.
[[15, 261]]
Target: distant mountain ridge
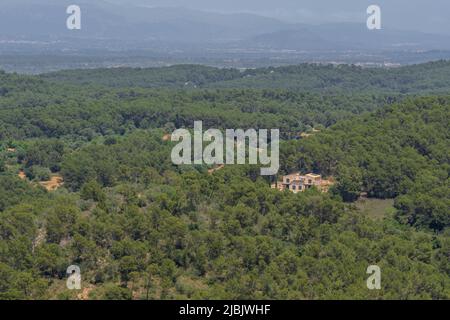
[[111, 26], [104, 20]]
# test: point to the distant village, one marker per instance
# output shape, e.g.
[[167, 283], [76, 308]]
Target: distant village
[[296, 182]]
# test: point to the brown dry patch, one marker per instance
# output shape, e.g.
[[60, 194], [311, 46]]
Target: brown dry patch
[[211, 171], [22, 175], [84, 295], [309, 134], [166, 137], [305, 135], [54, 183]]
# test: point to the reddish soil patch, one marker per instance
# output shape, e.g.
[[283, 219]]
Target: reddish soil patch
[[166, 137]]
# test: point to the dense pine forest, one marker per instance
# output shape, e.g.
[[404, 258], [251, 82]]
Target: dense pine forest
[[427, 77], [86, 179]]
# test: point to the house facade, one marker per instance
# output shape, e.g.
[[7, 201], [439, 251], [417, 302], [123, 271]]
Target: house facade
[[296, 182]]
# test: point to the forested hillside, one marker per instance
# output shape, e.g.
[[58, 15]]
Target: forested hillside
[[45, 109], [141, 228], [399, 151], [429, 77]]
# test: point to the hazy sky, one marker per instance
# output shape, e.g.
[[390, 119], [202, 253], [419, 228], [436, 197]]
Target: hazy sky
[[423, 15]]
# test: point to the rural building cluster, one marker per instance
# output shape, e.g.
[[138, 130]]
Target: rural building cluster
[[296, 182]]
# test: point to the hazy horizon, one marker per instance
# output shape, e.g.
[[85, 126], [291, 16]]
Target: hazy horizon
[[211, 31], [411, 15]]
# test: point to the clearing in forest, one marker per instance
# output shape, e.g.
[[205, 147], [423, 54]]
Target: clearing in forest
[[211, 171], [375, 208], [54, 183], [22, 175]]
